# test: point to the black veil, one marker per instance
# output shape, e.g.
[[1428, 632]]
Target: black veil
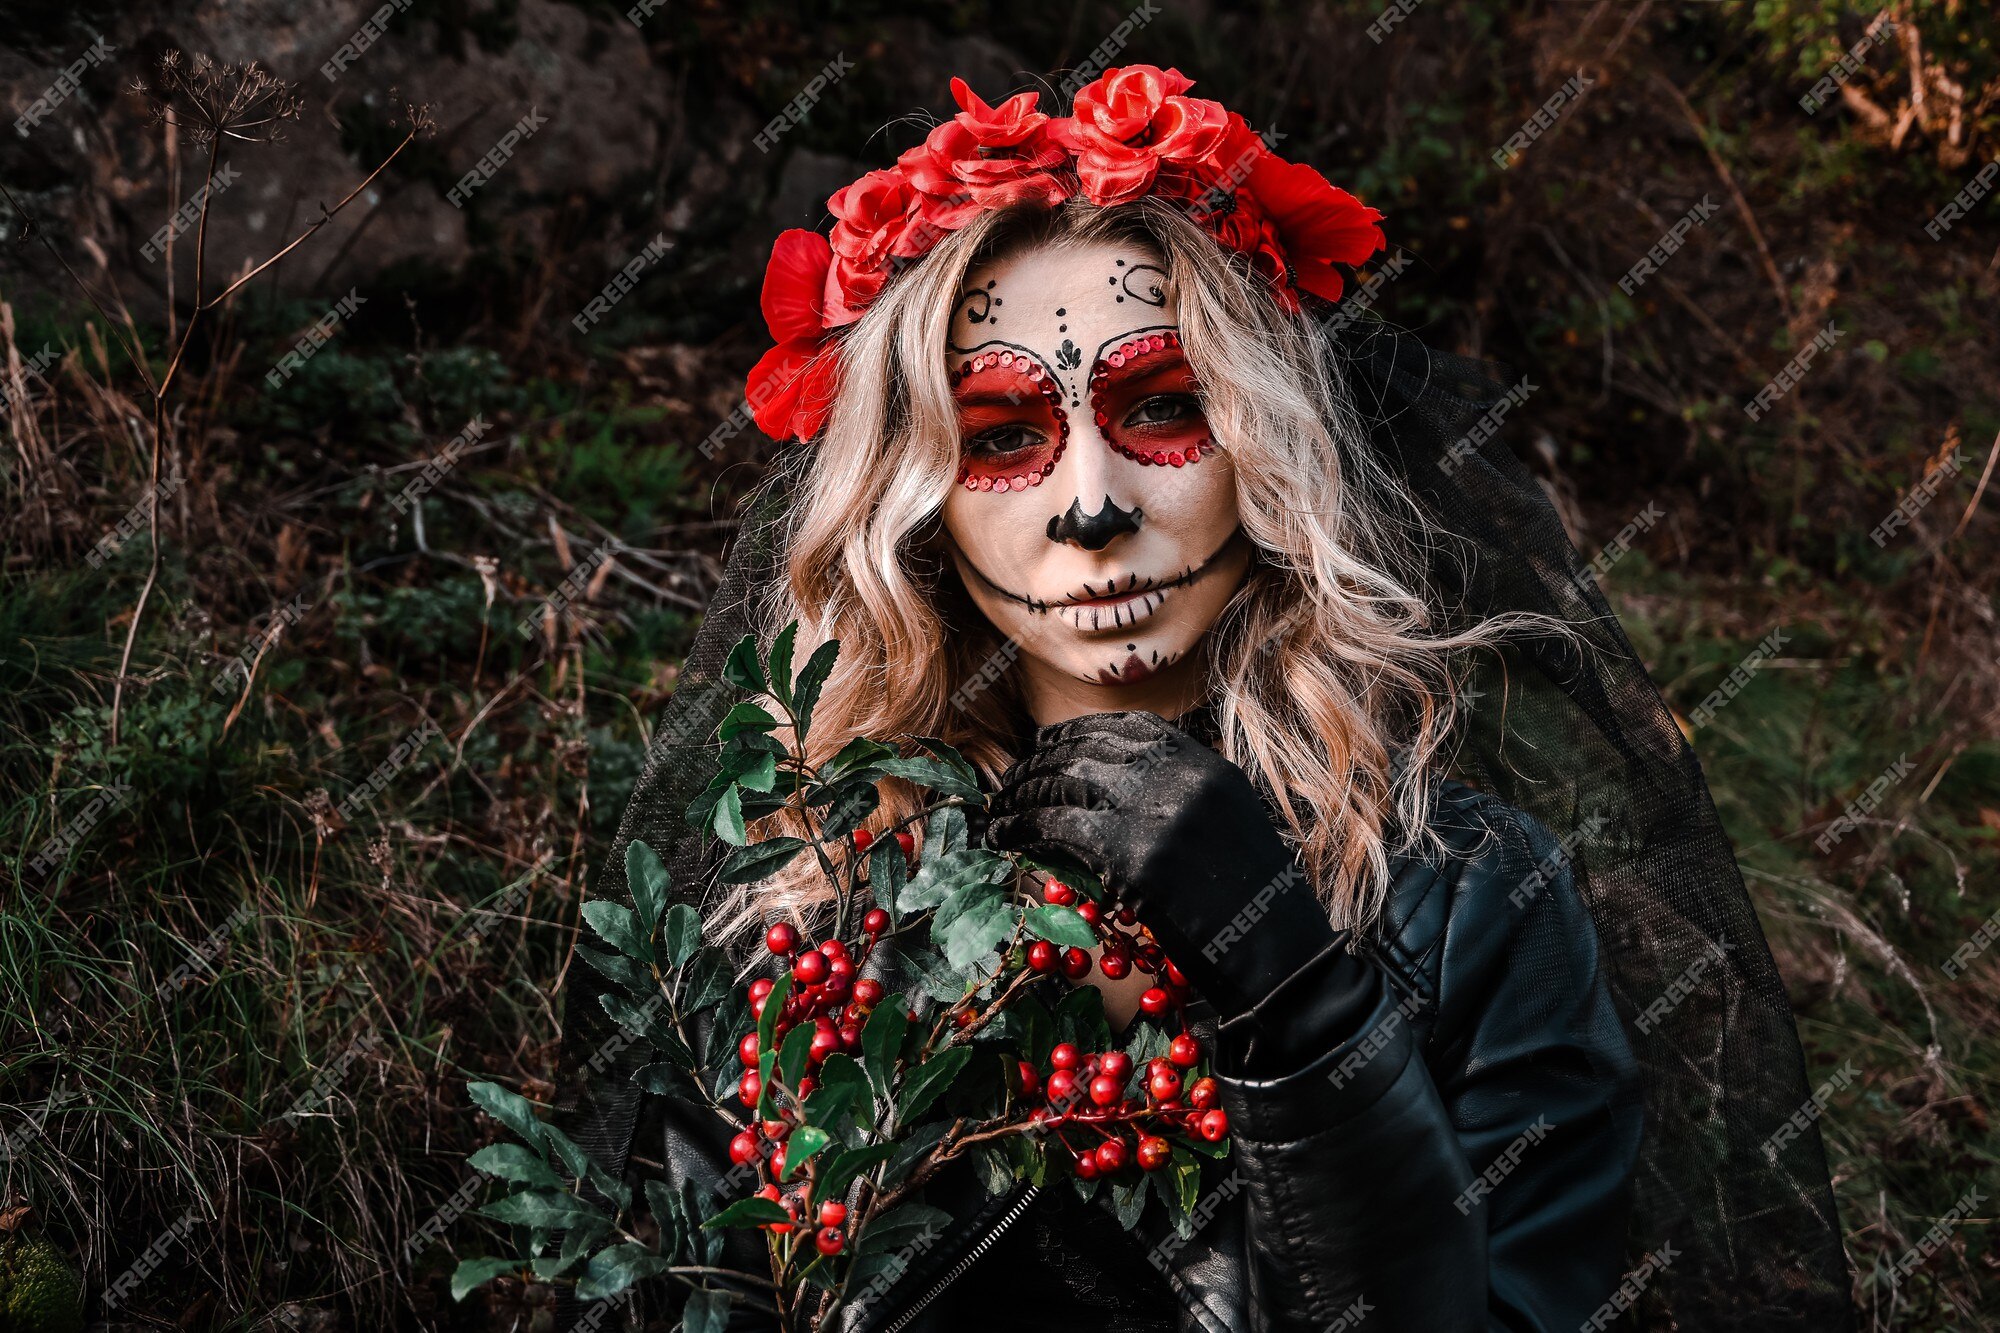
[[1734, 1224]]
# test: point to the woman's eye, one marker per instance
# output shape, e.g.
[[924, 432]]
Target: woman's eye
[[1162, 408], [1003, 440]]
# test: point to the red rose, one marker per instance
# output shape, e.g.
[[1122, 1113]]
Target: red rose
[[1130, 122], [875, 216], [790, 389], [1317, 224], [984, 157]]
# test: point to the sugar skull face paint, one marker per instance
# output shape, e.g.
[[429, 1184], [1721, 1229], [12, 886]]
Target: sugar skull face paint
[[1093, 518]]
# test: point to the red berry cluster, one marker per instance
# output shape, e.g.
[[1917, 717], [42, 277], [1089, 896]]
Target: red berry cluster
[[1122, 951], [1087, 1089]]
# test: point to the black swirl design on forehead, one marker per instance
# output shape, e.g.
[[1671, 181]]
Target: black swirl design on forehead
[[1144, 282]]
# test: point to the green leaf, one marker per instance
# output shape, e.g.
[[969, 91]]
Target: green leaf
[[759, 860], [510, 1109], [707, 1311], [746, 717], [843, 1086], [683, 933], [618, 926], [948, 754], [939, 777], [761, 775], [852, 802], [900, 1227], [1128, 1199], [751, 1212], [473, 1272], [801, 1146], [613, 1270], [728, 821], [911, 1147], [581, 1163], [972, 923], [857, 755], [1059, 925], [549, 1209], [644, 1020], [663, 1078], [939, 877], [794, 1053], [888, 872], [666, 1208], [842, 1168], [1080, 1019], [781, 663], [511, 1161], [774, 1004], [646, 875], [742, 668], [945, 831], [817, 668], [881, 1043], [930, 1079], [618, 969]]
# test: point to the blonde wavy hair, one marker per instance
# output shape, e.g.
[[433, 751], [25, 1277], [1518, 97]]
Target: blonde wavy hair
[[1333, 689]]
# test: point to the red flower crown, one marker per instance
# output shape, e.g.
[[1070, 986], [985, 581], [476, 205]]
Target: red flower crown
[[1133, 133]]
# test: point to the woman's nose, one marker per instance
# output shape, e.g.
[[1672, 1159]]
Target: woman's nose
[[1101, 508]]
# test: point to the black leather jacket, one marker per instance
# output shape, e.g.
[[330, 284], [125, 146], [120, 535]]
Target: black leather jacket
[[1464, 1162]]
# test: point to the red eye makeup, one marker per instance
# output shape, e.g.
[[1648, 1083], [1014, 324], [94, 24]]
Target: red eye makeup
[[1147, 402], [1011, 424]]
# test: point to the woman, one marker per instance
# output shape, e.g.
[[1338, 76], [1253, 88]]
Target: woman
[[1071, 411]]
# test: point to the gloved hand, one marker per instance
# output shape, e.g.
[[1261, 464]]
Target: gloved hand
[[1178, 834]]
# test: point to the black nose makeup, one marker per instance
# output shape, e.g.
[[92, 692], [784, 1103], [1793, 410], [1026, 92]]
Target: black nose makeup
[[1093, 532]]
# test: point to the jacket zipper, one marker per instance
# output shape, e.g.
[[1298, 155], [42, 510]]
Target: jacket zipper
[[985, 1243]]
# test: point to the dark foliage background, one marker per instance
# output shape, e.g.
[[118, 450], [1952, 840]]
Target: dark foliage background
[[358, 967]]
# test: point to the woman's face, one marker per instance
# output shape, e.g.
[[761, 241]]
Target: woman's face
[[1094, 520]]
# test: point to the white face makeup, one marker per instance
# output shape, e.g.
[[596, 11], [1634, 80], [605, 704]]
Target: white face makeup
[[1094, 520]]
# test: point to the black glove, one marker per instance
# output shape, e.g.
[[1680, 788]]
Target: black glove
[[1178, 834]]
